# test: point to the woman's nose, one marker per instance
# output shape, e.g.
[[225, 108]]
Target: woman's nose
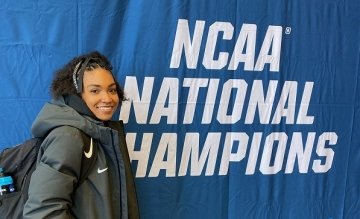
[[106, 97]]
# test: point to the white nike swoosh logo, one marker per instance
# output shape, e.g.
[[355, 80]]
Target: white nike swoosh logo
[[90, 152], [101, 170]]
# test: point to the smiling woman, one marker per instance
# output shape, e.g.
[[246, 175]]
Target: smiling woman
[[100, 93], [85, 97]]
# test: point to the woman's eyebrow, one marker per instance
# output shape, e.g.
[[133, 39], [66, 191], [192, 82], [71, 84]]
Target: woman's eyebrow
[[98, 85]]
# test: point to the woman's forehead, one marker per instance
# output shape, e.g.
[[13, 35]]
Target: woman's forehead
[[98, 76]]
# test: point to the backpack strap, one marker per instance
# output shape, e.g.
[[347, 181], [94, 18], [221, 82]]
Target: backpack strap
[[88, 157]]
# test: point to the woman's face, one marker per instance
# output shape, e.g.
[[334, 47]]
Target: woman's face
[[99, 93]]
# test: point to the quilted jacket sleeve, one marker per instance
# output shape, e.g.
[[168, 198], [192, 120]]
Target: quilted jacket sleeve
[[56, 174]]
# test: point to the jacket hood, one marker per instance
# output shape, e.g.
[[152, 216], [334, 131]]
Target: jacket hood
[[57, 113]]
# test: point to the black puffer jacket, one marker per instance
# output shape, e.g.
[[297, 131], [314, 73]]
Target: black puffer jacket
[[109, 190]]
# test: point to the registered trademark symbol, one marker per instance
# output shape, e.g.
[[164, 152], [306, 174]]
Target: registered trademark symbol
[[287, 30]]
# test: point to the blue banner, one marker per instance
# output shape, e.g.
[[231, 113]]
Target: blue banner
[[236, 109]]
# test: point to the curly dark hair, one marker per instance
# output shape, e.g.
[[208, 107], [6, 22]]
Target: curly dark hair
[[63, 83]]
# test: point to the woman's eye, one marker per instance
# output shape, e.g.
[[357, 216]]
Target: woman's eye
[[94, 91], [113, 91]]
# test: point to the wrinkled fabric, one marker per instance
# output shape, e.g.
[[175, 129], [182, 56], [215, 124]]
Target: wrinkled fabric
[[53, 191]]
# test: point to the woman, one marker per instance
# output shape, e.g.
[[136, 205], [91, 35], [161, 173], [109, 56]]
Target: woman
[[85, 97]]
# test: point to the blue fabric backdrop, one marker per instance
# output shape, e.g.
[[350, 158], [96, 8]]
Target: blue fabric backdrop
[[237, 109]]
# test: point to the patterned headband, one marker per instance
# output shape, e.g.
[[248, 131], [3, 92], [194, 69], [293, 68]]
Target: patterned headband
[[78, 74]]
